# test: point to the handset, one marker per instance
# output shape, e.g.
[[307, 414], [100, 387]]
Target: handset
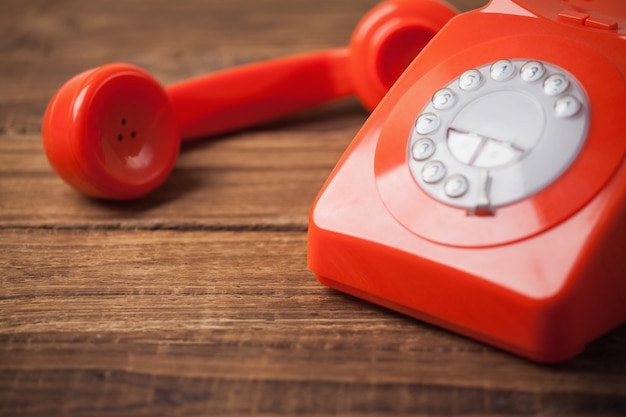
[[491, 182], [114, 132]]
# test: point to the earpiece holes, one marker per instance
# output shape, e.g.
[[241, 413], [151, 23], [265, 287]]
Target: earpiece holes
[[120, 136]]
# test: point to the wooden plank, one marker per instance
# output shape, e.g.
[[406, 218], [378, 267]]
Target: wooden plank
[[182, 320]]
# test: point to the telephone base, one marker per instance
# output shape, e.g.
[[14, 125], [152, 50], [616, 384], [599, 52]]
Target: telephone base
[[537, 356]]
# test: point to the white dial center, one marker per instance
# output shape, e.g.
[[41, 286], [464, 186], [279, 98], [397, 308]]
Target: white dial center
[[496, 129]]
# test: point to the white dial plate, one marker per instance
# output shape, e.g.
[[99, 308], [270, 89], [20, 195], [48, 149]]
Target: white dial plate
[[515, 131]]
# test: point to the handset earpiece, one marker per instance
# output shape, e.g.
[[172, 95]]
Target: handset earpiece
[[387, 40], [114, 132], [110, 132]]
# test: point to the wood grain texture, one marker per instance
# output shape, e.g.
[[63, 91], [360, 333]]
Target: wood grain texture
[[197, 300]]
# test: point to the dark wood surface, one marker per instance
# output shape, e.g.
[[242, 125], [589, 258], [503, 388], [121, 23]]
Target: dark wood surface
[[197, 299]]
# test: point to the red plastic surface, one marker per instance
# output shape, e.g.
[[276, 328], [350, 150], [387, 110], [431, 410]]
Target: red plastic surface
[[110, 132], [91, 111], [543, 276], [240, 97], [600, 14]]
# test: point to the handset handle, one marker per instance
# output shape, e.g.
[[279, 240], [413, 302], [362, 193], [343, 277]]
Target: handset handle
[[236, 98]]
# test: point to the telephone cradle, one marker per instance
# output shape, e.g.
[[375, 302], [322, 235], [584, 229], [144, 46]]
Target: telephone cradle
[[486, 194]]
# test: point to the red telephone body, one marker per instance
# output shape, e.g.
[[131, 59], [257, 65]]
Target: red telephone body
[[486, 193]]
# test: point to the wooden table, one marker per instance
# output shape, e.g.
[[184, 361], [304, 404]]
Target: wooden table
[[197, 299]]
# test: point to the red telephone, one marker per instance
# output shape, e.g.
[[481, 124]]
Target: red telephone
[[487, 192]]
